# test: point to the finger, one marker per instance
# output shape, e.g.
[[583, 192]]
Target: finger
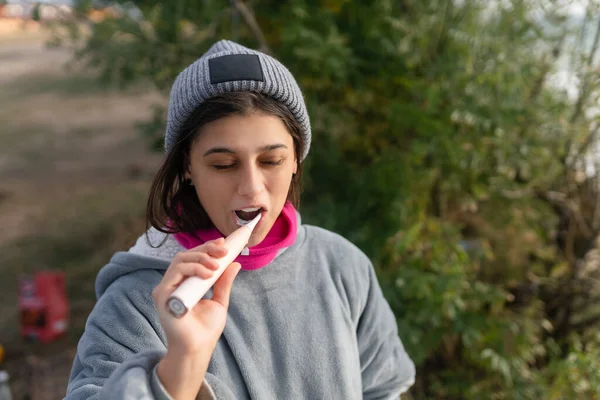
[[168, 284], [220, 241], [176, 273], [222, 288], [201, 257], [216, 250]]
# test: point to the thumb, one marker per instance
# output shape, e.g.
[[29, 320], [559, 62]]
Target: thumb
[[222, 288]]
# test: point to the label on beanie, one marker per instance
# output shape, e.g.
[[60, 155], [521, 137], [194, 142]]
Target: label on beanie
[[235, 67]]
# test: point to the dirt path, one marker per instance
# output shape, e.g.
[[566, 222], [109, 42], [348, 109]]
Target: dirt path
[[60, 133]]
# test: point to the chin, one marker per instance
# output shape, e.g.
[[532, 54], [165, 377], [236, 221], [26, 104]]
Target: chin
[[257, 238]]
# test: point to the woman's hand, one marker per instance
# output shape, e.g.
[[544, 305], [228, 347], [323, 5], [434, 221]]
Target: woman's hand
[[193, 337]]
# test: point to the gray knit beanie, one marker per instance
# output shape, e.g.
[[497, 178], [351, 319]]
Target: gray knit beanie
[[230, 67]]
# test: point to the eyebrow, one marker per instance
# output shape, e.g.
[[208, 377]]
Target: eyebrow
[[225, 150]]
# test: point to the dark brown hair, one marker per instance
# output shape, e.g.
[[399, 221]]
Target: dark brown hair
[[173, 205]]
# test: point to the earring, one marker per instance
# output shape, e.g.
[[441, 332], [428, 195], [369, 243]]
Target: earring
[[189, 182]]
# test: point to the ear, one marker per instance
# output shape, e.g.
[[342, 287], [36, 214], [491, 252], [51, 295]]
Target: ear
[[295, 165], [188, 168]]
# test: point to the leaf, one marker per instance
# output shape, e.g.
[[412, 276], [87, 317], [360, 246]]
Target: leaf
[[409, 237], [559, 270]]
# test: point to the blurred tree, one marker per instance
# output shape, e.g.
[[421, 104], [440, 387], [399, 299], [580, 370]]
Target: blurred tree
[[445, 149]]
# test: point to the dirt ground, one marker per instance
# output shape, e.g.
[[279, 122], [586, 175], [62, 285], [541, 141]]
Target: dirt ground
[[74, 171], [56, 136]]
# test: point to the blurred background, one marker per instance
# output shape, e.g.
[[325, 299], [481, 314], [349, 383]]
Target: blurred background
[[455, 142]]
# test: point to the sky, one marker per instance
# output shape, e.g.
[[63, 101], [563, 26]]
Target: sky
[[577, 8]]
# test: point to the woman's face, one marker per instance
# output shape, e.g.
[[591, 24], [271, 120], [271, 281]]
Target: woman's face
[[241, 166]]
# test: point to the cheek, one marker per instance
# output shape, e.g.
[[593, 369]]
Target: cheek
[[218, 188], [280, 184]]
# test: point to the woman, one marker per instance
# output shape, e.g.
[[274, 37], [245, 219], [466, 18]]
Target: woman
[[305, 318]]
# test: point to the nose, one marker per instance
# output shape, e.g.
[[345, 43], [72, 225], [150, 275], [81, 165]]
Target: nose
[[250, 182]]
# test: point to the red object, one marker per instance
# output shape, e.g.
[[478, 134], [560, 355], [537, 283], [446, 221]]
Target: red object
[[43, 306]]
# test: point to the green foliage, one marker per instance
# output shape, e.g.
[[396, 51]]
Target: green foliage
[[443, 150], [35, 13], [575, 376]]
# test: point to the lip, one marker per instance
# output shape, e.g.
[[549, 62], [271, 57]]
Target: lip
[[262, 215], [251, 206]]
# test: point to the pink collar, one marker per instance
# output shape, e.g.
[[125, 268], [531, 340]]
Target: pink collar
[[282, 235]]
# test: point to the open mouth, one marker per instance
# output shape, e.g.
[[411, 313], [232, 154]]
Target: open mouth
[[246, 215]]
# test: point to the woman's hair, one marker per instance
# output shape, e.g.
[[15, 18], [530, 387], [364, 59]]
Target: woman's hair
[[173, 204]]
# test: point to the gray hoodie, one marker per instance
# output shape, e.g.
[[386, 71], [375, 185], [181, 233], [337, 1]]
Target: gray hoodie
[[312, 324]]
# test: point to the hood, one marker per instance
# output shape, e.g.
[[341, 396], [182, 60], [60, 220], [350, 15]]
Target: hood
[[153, 251]]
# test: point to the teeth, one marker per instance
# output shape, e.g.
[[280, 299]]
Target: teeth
[[250, 209]]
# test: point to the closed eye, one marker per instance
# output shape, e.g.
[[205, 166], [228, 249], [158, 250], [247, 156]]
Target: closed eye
[[279, 162], [223, 167]]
